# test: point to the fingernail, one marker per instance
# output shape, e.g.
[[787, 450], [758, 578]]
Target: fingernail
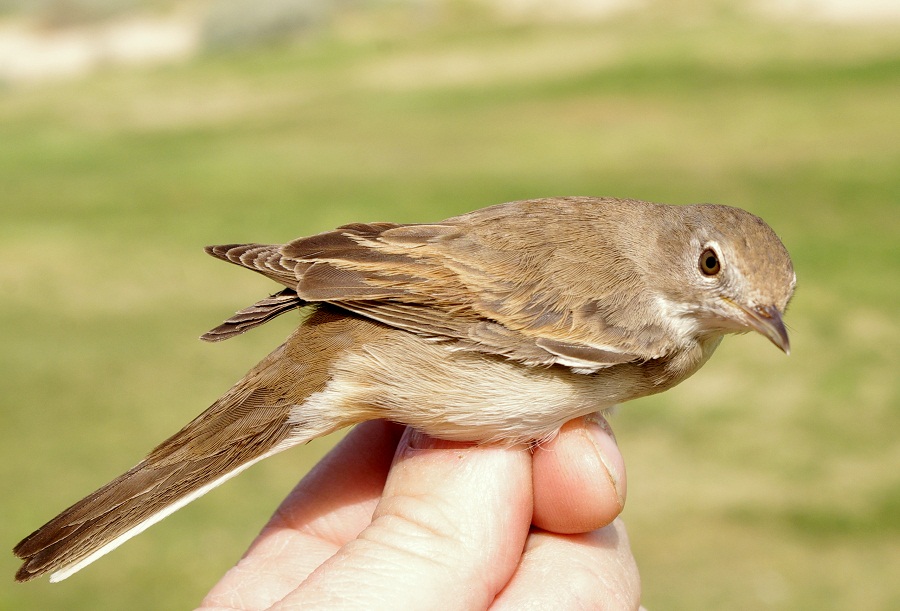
[[417, 440], [608, 451]]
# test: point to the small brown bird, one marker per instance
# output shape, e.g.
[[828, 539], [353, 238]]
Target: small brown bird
[[494, 326]]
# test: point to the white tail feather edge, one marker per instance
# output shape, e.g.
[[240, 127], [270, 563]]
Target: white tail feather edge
[[73, 568]]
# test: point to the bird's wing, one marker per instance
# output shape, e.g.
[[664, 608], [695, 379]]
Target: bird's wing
[[254, 315], [450, 282]]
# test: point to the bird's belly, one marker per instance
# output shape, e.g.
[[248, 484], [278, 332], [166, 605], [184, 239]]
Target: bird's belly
[[463, 395]]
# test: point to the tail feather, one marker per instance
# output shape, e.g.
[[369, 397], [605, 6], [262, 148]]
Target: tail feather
[[77, 538], [169, 478], [250, 422]]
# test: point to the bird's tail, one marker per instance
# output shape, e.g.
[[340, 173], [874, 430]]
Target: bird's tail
[[255, 419]]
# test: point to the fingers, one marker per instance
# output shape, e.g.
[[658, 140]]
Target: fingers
[[450, 514], [594, 570], [329, 507], [579, 478], [448, 533], [335, 501]]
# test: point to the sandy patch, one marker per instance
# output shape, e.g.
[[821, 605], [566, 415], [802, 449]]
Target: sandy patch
[[837, 11], [29, 53]]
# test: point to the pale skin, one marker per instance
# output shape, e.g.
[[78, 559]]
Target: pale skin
[[393, 519]]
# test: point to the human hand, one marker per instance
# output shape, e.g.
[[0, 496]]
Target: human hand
[[393, 519]]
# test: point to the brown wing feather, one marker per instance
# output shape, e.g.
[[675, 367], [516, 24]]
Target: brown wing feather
[[254, 315], [488, 280], [263, 258], [442, 281]]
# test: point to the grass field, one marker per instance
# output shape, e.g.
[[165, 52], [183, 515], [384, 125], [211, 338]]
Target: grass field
[[765, 482]]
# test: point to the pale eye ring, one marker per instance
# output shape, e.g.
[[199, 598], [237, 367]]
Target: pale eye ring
[[709, 262]]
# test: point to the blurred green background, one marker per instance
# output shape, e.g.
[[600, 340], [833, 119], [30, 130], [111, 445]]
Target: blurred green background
[[764, 482]]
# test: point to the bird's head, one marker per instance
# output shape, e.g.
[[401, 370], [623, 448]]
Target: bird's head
[[734, 276]]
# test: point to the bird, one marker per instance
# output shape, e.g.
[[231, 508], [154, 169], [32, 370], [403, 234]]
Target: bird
[[494, 326]]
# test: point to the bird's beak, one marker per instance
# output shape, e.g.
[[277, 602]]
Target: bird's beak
[[766, 320]]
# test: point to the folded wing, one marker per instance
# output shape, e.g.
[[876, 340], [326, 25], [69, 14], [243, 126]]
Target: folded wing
[[451, 281]]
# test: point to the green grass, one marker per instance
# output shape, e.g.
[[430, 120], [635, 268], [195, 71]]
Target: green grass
[[764, 482]]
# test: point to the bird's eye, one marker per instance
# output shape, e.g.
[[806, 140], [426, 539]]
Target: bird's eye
[[709, 262]]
